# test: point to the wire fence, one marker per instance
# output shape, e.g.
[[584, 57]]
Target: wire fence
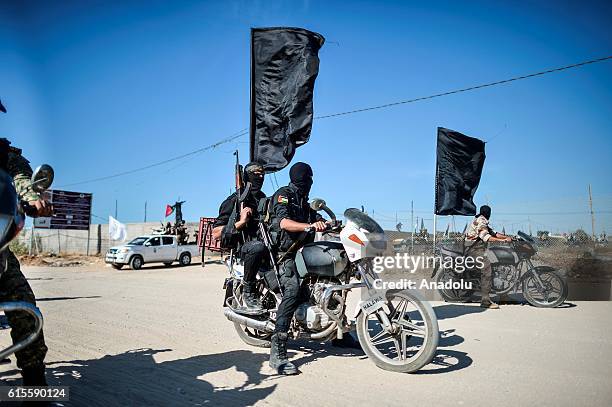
[[94, 242]]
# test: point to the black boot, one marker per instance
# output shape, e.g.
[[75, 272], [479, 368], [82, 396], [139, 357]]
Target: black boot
[[34, 375], [251, 302], [278, 355]]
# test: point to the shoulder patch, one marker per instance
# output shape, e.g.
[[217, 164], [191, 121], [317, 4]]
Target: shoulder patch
[[282, 200]]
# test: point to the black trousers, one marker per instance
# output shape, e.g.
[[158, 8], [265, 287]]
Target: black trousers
[[253, 254], [479, 249], [292, 295]]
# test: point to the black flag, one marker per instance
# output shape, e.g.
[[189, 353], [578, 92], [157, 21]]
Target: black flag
[[458, 169], [284, 66]]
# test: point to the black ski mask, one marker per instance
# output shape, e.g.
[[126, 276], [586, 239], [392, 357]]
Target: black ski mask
[[485, 211], [254, 173], [4, 150], [301, 176]]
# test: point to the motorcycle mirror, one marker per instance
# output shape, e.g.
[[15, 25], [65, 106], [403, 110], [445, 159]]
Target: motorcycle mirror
[[42, 178], [317, 204]]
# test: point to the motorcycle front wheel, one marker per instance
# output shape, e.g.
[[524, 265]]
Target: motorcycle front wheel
[[413, 341], [551, 295]]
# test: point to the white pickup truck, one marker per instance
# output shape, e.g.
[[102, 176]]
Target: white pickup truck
[[151, 249]]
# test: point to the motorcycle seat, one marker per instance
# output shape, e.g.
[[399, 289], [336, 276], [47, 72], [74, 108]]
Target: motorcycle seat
[[451, 251]]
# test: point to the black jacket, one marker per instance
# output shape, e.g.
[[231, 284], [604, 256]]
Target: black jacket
[[288, 203], [227, 212]]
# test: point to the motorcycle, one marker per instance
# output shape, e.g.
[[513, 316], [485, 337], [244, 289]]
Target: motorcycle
[[397, 329], [511, 267], [12, 220]]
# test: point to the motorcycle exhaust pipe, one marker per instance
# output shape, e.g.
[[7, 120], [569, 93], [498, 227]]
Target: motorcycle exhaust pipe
[[266, 326]]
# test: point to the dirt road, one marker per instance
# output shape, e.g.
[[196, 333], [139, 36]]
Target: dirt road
[[157, 337]]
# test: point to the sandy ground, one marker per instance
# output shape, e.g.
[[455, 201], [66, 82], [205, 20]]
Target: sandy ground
[[157, 337]]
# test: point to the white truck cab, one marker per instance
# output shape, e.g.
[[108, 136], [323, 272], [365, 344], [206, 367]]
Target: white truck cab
[[150, 249]]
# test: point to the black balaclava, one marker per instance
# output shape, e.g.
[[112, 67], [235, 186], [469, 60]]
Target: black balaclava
[[4, 150], [4, 146], [485, 211], [254, 173], [301, 176]]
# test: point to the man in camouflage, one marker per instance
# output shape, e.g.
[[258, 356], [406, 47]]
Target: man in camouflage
[[477, 237], [13, 284]]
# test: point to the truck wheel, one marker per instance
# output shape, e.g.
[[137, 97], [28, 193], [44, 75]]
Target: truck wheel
[[117, 266], [185, 259], [136, 262]]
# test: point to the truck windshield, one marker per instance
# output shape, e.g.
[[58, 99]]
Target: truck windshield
[[139, 241]]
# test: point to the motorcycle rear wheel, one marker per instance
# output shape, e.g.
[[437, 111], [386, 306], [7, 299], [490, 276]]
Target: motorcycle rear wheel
[[452, 295], [251, 336], [405, 307]]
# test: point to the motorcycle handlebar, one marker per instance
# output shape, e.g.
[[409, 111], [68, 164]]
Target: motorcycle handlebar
[[29, 209], [333, 226]]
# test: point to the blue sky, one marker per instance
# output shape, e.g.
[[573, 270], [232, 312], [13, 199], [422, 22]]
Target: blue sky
[[96, 88]]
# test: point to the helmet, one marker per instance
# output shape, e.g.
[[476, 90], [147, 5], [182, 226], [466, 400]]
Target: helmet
[[12, 219]]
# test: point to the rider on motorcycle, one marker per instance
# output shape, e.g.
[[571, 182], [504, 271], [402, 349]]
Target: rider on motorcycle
[[252, 250], [13, 284], [477, 237], [291, 215]]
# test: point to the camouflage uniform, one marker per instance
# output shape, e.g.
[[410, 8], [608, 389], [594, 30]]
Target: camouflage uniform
[[13, 284], [476, 238]]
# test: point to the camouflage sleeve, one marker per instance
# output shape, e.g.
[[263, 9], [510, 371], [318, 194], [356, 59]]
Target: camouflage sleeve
[[19, 168], [482, 228]]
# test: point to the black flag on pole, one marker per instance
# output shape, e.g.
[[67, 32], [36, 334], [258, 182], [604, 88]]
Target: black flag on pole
[[284, 66], [458, 169]]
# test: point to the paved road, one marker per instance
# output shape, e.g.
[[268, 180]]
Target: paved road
[[157, 337]]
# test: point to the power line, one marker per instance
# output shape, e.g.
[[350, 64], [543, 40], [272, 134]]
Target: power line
[[199, 150], [243, 132], [452, 92]]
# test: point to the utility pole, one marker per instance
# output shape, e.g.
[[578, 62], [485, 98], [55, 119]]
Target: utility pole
[[592, 214], [115, 209], [145, 218], [412, 227]]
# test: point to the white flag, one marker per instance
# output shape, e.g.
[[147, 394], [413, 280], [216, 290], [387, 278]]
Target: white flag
[[116, 229]]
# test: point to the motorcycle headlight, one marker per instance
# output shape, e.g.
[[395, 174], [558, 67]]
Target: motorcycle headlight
[[10, 226], [5, 222]]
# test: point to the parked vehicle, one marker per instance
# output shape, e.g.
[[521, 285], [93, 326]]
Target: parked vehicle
[[512, 269], [397, 329], [151, 249], [12, 220]]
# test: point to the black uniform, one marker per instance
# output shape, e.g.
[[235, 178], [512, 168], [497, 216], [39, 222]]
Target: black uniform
[[289, 203], [252, 251]]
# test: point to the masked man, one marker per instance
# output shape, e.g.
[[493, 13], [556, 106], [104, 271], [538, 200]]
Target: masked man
[[291, 215], [13, 284], [244, 232], [477, 237]]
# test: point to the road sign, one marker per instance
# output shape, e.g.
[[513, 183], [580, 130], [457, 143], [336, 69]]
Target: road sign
[[71, 210]]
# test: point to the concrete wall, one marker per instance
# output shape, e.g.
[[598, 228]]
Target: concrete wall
[[76, 241]]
